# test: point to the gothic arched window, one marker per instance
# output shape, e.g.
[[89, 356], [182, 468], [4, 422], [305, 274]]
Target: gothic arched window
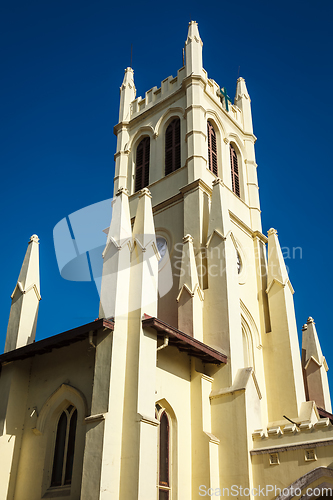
[[164, 458], [142, 164], [64, 448], [234, 171], [212, 148], [172, 146]]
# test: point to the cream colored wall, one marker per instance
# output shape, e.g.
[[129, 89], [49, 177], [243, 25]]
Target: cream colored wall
[[14, 383], [292, 466], [72, 365], [173, 392]]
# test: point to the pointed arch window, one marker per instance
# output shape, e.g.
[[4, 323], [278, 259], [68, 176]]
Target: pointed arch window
[[212, 148], [164, 456], [142, 164], [172, 146], [234, 171], [63, 458]]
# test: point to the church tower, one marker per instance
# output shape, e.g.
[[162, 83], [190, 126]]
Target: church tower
[[186, 160], [191, 382]]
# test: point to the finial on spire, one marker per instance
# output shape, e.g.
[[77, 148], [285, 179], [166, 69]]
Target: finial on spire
[[34, 238]]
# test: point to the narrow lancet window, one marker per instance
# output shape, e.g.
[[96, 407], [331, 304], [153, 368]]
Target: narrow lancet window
[[164, 445], [64, 448], [142, 164], [212, 148], [234, 171], [172, 146]]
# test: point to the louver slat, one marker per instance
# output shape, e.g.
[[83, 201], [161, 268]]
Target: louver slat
[[212, 148], [142, 164], [234, 171], [172, 147]]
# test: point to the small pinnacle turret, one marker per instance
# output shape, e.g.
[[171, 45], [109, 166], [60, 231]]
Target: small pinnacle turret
[[25, 300], [315, 367], [277, 270], [284, 382], [190, 297], [117, 258], [243, 102], [127, 94], [219, 220], [193, 49]]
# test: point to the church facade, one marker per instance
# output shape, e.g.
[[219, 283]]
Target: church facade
[[191, 383]]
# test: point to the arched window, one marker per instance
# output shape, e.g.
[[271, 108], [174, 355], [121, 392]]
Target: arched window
[[164, 457], [64, 448], [172, 146], [212, 148], [142, 164], [234, 171]]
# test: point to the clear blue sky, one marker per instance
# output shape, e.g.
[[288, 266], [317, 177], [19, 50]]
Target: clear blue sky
[[62, 66]]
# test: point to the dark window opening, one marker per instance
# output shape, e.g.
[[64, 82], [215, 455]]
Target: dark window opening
[[172, 146], [64, 448], [164, 476]]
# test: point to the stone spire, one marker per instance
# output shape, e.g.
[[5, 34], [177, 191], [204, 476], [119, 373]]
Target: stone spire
[[243, 102], [117, 259], [219, 219], [115, 303], [315, 367], [127, 95], [190, 297], [277, 270], [193, 49], [25, 301], [222, 304], [142, 347], [284, 379], [144, 266]]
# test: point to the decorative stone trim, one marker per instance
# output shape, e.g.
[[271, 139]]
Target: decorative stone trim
[[306, 426], [290, 429], [310, 455], [323, 422], [291, 447], [258, 434], [145, 192], [147, 420], [274, 431], [212, 439], [304, 481], [274, 459], [94, 418]]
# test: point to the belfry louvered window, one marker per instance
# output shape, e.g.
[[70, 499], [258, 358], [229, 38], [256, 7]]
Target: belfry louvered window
[[142, 164], [234, 171], [172, 146], [212, 148], [64, 448]]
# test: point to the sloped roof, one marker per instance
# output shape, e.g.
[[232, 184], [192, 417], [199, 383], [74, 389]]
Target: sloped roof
[[56, 341], [184, 342]]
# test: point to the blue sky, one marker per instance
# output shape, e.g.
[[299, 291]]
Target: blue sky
[[62, 66]]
